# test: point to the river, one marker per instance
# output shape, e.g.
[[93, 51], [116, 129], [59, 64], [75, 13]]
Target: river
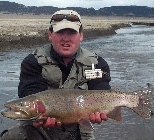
[[130, 55]]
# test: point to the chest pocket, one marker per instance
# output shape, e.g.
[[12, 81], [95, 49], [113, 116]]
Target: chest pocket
[[50, 71], [52, 74]]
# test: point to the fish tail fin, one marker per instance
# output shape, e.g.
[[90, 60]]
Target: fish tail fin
[[144, 107]]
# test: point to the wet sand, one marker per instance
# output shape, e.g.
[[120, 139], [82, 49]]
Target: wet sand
[[18, 31]]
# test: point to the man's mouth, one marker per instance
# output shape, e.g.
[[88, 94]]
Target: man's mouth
[[65, 45]]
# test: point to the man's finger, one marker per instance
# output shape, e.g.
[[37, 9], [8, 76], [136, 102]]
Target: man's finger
[[59, 124], [92, 117], [97, 117], [103, 116], [50, 122]]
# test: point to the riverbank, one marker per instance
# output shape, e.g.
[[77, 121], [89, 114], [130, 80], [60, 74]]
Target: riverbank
[[30, 30]]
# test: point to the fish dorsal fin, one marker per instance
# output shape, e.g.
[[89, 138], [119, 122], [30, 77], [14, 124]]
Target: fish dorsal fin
[[86, 124], [115, 114]]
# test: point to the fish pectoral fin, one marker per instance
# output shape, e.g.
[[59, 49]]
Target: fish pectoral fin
[[37, 118], [115, 114], [86, 124]]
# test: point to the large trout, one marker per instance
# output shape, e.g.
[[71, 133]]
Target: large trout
[[75, 106]]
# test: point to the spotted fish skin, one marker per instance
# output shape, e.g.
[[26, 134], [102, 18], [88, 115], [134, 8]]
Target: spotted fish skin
[[72, 106]]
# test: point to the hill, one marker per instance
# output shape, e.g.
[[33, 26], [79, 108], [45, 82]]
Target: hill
[[131, 11]]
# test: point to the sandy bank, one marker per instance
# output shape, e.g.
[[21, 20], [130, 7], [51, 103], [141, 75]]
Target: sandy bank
[[27, 31]]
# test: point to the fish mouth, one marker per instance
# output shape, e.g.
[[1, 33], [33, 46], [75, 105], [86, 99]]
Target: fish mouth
[[15, 112]]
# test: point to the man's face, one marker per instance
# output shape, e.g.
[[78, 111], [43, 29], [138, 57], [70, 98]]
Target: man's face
[[66, 41]]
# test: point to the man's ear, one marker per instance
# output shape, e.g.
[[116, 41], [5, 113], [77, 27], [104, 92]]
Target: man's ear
[[49, 35], [81, 36]]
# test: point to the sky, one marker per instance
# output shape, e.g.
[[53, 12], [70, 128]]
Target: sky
[[84, 3]]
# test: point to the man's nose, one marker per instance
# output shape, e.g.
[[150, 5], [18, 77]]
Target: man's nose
[[66, 37]]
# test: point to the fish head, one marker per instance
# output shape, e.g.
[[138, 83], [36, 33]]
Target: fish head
[[28, 108]]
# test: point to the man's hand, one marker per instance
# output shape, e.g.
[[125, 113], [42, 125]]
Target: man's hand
[[50, 122], [97, 117]]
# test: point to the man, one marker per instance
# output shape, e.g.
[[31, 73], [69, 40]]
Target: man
[[62, 64]]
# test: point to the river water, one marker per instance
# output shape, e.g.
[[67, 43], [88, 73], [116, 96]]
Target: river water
[[130, 55]]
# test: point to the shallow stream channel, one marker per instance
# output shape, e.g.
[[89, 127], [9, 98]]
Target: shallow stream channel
[[130, 55]]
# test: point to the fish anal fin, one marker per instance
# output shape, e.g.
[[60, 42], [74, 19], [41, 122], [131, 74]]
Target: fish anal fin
[[115, 114], [86, 124]]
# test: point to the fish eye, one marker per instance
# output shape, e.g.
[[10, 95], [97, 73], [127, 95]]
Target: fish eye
[[21, 104]]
